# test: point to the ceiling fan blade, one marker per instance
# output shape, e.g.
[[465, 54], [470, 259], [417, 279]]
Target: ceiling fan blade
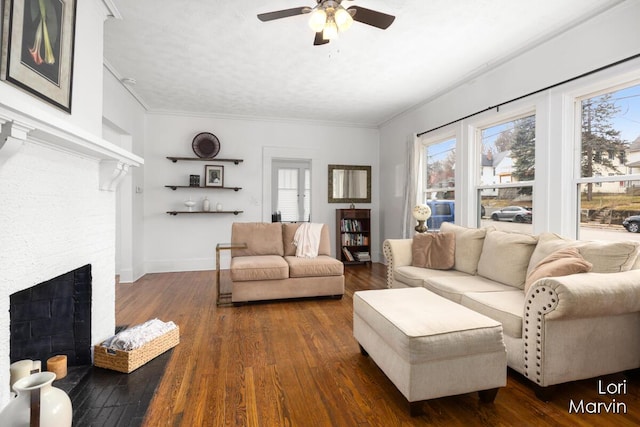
[[372, 17], [319, 40], [270, 16]]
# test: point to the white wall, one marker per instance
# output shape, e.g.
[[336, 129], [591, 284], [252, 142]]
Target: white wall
[[125, 118], [187, 242], [607, 38]]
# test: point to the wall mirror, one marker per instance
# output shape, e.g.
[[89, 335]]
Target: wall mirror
[[349, 184]]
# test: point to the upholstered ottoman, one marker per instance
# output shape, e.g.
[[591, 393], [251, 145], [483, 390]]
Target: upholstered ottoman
[[429, 346]]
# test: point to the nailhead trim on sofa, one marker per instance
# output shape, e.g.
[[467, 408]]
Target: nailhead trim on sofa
[[539, 301], [386, 249]]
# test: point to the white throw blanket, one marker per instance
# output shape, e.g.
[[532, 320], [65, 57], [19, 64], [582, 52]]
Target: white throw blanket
[[307, 240], [138, 335]]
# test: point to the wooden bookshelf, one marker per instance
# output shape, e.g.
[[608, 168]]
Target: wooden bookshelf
[[353, 240]]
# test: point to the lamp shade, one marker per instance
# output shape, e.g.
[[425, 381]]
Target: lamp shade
[[343, 19], [317, 20], [330, 31], [421, 212]]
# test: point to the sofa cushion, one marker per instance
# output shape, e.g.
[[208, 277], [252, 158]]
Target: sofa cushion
[[453, 287], [469, 243], [505, 257], [606, 257], [289, 231], [433, 250], [261, 267], [415, 276], [322, 265], [560, 263], [261, 238], [505, 307]]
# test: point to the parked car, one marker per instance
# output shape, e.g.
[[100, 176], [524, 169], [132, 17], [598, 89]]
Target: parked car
[[444, 211], [441, 211], [632, 224], [512, 213]]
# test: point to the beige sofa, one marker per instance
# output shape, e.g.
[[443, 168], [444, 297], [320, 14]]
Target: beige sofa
[[269, 269], [562, 328]]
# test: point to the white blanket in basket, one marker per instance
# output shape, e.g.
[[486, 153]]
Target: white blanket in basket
[[139, 335]]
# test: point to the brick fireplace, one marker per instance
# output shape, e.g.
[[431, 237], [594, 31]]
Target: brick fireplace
[[53, 318], [58, 216]]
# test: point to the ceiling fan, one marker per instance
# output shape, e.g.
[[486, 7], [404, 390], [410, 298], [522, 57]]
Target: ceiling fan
[[329, 16]]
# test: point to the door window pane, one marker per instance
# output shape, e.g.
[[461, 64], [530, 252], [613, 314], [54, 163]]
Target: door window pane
[[288, 194]]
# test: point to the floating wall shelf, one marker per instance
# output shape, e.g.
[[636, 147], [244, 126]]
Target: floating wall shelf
[[174, 213], [199, 159], [174, 187]]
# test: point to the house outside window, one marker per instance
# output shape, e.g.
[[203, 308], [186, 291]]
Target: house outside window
[[506, 174], [609, 184]]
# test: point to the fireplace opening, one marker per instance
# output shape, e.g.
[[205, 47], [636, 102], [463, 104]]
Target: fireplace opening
[[53, 318]]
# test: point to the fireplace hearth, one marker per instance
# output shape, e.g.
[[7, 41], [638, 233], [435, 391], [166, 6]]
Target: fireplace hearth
[[53, 318]]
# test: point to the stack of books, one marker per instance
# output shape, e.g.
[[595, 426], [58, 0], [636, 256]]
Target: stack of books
[[362, 256]]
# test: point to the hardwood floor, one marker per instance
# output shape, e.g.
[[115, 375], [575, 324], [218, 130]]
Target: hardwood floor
[[296, 363]]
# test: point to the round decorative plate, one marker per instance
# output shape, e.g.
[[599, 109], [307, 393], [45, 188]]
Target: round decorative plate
[[206, 145]]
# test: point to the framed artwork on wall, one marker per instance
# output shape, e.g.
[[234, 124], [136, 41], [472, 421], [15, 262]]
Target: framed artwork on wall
[[214, 176], [37, 48]]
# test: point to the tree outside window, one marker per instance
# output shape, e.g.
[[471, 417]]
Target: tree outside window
[[610, 147]]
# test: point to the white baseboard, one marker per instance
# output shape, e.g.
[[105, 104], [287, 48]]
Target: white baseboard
[[169, 266]]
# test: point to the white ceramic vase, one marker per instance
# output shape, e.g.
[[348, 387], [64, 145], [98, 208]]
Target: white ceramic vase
[[219, 207], [55, 405]]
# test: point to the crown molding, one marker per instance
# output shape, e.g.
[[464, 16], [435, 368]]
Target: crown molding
[[112, 10], [110, 68]]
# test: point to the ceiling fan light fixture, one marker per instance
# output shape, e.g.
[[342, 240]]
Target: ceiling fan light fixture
[[343, 19], [318, 19], [330, 31]]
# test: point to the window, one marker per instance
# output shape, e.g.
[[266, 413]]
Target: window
[[609, 184], [292, 193], [439, 171], [507, 171]]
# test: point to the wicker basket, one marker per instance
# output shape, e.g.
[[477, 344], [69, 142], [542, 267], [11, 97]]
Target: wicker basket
[[129, 361]]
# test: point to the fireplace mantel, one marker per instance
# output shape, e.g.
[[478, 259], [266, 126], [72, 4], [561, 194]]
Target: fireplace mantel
[[18, 127]]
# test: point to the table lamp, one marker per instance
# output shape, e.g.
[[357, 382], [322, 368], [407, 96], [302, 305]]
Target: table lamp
[[421, 213]]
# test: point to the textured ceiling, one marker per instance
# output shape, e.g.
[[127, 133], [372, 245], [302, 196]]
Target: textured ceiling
[[216, 57]]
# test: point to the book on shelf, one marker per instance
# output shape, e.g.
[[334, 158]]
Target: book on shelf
[[355, 239], [350, 225], [347, 254]]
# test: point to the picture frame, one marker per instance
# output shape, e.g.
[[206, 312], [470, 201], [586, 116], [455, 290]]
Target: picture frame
[[214, 176], [37, 48]]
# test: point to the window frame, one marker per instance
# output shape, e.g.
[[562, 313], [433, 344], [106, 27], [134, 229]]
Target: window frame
[[490, 119], [599, 87], [304, 178], [425, 143]]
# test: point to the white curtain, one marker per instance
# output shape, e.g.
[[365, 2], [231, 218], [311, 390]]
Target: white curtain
[[412, 176]]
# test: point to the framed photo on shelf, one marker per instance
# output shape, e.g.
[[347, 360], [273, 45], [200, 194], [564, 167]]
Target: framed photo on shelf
[[214, 176], [37, 48]]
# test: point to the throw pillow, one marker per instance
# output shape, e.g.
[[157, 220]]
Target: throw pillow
[[434, 250], [505, 257], [562, 262], [606, 257], [468, 246]]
